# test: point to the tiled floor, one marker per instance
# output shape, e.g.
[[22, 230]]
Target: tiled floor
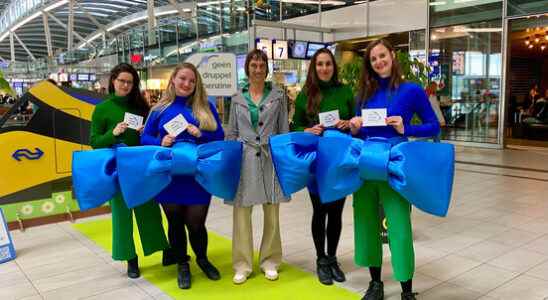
[[493, 244]]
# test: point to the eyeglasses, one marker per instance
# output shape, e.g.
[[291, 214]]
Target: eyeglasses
[[124, 82]]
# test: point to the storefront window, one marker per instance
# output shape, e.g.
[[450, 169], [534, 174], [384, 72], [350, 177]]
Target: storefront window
[[466, 67], [453, 12], [524, 7]]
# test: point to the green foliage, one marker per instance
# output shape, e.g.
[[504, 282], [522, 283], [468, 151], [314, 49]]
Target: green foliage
[[350, 73], [413, 69], [5, 86]]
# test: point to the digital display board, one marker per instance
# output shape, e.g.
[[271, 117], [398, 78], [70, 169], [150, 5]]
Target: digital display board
[[297, 49], [83, 77], [312, 48]]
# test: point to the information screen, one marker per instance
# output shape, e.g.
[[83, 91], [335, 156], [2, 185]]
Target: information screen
[[298, 49], [83, 77], [312, 48]]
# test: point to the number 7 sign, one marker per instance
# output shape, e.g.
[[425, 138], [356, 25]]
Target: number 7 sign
[[280, 49]]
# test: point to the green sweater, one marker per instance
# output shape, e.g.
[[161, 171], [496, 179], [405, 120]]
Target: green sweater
[[105, 117], [333, 98]]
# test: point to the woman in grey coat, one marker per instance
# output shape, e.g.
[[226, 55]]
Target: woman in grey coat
[[258, 111]]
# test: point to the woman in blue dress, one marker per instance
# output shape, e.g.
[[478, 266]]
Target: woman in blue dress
[[184, 201]]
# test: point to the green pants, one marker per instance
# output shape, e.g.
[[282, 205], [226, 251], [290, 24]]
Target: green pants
[[149, 222], [367, 228]]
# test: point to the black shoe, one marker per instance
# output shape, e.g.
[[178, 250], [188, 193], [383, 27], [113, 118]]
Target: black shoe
[[209, 270], [375, 291], [133, 268], [183, 275], [336, 272], [408, 296], [323, 270], [168, 258]]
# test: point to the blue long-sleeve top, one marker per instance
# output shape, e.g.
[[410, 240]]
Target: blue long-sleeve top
[[409, 98], [182, 189]]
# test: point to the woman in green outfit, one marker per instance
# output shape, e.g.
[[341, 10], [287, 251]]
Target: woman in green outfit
[[323, 93], [108, 129]]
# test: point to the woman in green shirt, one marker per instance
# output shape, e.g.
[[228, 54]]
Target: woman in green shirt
[[323, 93], [108, 129]]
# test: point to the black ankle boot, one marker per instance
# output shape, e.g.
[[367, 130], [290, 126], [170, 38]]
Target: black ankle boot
[[375, 291], [133, 268], [209, 270], [408, 296], [168, 258], [336, 272], [183, 275], [323, 270]]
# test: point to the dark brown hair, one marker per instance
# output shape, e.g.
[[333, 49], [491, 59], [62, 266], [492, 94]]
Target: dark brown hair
[[134, 95], [312, 84], [369, 82], [258, 55]]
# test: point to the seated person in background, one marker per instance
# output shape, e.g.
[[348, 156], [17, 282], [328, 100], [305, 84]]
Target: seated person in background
[[538, 112]]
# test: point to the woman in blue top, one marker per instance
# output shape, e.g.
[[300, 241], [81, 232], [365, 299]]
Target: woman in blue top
[[382, 87], [184, 201]]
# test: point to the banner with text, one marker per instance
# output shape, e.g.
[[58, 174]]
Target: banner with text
[[218, 71]]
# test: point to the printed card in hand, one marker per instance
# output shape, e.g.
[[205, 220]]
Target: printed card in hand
[[329, 118], [133, 121], [176, 125], [374, 117]]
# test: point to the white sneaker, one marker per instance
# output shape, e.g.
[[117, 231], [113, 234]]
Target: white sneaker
[[271, 274], [239, 278]]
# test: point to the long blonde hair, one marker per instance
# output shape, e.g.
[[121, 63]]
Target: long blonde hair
[[197, 100]]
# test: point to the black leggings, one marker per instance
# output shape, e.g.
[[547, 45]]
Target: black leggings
[[192, 217], [321, 212]]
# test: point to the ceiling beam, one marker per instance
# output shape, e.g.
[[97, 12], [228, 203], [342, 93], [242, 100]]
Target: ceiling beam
[[70, 25], [48, 35], [24, 46], [63, 25]]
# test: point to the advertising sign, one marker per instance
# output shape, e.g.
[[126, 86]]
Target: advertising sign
[[218, 71], [7, 250]]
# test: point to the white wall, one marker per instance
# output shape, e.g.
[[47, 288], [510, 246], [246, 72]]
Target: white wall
[[386, 16]]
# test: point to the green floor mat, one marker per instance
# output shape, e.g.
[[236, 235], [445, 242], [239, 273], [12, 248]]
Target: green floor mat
[[293, 284]]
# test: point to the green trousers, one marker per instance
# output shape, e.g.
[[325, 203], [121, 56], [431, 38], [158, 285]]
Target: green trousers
[[367, 229], [149, 222]]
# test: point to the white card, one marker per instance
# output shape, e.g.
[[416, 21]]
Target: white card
[[133, 121], [374, 117], [329, 118], [176, 125]]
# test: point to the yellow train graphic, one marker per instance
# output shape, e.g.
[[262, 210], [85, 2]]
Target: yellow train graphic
[[37, 137]]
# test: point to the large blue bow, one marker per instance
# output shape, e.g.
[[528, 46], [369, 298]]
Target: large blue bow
[[141, 173], [146, 170], [421, 172], [94, 177]]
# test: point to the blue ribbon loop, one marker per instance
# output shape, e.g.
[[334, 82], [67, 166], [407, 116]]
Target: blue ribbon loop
[[93, 189], [142, 172], [293, 156]]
